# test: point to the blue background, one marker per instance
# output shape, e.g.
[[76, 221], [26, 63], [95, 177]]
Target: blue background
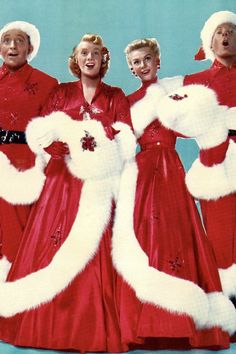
[[175, 23]]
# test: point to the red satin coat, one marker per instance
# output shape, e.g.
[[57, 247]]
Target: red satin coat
[[169, 230], [84, 317], [220, 216], [22, 96]]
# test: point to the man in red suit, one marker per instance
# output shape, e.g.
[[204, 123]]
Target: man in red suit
[[23, 92], [219, 45]]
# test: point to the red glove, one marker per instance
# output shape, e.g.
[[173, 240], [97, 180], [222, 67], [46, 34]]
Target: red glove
[[57, 150]]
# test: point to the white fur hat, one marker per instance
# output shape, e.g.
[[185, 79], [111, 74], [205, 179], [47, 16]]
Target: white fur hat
[[209, 28], [30, 30]]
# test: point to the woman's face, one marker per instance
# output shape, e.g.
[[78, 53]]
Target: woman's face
[[224, 41], [15, 48], [144, 63], [89, 59]]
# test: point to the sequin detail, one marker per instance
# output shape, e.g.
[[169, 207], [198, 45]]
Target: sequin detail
[[56, 238], [175, 264], [31, 88], [88, 142], [177, 97]]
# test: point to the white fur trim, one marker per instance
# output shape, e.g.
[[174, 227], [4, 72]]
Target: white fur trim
[[5, 266], [150, 285], [213, 182], [99, 189], [231, 118], [21, 187], [197, 115], [208, 182], [126, 141], [30, 30], [228, 280], [209, 28], [169, 84], [78, 249], [230, 164], [104, 161], [221, 313], [108, 155], [42, 131], [143, 112]]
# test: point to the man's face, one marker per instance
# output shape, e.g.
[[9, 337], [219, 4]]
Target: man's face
[[224, 41], [15, 48]]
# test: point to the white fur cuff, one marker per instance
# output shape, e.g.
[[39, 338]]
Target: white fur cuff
[[21, 187], [42, 131]]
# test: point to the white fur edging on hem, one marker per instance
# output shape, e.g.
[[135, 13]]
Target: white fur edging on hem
[[75, 253], [150, 285], [155, 287], [5, 266], [95, 205], [228, 280], [221, 313]]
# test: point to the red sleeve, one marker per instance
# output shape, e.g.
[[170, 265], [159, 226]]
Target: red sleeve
[[54, 102]]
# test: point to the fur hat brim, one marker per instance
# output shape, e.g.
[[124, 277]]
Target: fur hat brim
[[209, 28], [30, 30]]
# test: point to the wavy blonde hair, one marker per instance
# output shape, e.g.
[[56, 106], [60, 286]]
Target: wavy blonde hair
[[95, 39], [141, 43]]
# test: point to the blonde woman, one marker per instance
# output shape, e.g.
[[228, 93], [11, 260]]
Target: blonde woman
[[168, 228]]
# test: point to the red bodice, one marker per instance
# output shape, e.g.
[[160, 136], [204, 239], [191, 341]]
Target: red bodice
[[109, 103]]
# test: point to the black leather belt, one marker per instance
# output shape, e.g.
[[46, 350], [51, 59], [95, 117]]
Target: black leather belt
[[232, 132], [12, 137]]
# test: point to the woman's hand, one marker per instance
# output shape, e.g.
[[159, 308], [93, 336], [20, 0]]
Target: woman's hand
[[57, 150]]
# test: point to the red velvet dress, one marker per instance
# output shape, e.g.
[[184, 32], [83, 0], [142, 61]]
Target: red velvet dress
[[169, 229], [220, 215], [84, 316], [22, 95]]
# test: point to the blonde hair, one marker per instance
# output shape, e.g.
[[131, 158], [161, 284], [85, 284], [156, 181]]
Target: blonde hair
[[141, 43], [95, 39]]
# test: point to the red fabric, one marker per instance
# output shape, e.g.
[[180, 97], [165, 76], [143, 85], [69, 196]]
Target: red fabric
[[57, 150], [22, 94], [215, 155], [109, 103], [220, 216], [84, 317], [200, 55], [169, 230]]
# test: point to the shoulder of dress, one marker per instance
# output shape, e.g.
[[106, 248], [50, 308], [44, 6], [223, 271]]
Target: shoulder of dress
[[65, 87], [112, 89]]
